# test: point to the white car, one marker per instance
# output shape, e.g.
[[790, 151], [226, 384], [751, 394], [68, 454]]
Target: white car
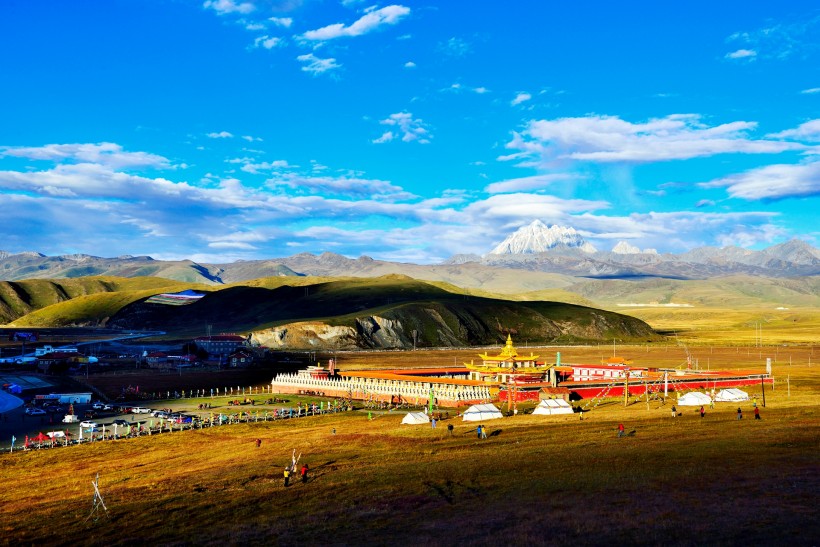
[[140, 410], [35, 411], [98, 406], [159, 414], [89, 425]]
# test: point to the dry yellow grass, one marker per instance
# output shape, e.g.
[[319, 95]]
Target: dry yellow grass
[[537, 480]]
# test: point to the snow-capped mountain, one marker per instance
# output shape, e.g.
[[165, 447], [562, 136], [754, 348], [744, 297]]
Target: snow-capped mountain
[[624, 248], [538, 238]]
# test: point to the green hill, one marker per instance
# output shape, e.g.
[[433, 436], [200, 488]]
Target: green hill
[[378, 312]]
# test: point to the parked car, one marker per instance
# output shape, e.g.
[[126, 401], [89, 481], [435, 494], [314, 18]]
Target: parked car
[[121, 422], [107, 407], [159, 414], [70, 419], [98, 406], [89, 425], [31, 411], [140, 410]]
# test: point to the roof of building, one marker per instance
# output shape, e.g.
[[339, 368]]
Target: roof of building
[[392, 375], [221, 338]]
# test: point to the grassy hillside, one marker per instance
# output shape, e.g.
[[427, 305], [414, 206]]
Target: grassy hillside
[[535, 480], [441, 317], [19, 298]]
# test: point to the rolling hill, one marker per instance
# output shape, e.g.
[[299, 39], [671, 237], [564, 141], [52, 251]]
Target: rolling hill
[[382, 312]]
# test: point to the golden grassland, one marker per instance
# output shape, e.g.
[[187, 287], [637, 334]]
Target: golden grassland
[[537, 480]]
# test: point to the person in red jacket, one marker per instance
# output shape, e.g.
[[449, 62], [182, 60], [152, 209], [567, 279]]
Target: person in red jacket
[[757, 413], [304, 473], [620, 430]]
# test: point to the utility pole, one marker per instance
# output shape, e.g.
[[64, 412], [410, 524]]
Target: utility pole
[[626, 387]]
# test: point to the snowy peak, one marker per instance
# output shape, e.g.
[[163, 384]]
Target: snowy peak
[[538, 238], [624, 248]]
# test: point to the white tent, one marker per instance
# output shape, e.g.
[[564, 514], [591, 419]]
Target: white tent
[[695, 398], [731, 395], [415, 418], [479, 413], [553, 406]]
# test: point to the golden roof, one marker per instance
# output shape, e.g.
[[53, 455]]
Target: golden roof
[[508, 353]]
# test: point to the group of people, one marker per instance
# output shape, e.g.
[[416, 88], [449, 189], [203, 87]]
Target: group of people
[[303, 472]]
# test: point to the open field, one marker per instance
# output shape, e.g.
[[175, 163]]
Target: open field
[[550, 480], [733, 326]]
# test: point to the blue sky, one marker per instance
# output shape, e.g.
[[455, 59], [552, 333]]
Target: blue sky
[[221, 130]]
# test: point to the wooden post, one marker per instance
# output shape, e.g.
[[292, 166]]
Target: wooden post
[[646, 387], [763, 390]]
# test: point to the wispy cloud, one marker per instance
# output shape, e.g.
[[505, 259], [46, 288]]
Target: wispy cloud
[[224, 7], [315, 65], [772, 182], [104, 153], [284, 22], [455, 47], [528, 184], [220, 135], [611, 139], [746, 54], [410, 129], [777, 41], [370, 21], [808, 131], [811, 91], [409, 64], [267, 42], [521, 98]]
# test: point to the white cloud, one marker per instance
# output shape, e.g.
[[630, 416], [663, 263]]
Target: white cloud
[[748, 54], [251, 138], [611, 139], [772, 182], [481, 90], [316, 65], [220, 135], [346, 186], [809, 131], [387, 136], [521, 98], [285, 22], [370, 21], [811, 91], [781, 40], [411, 129], [255, 168], [409, 64], [104, 153], [267, 42], [223, 7], [526, 184], [254, 26]]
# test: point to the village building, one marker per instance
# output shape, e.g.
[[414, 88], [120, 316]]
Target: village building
[[220, 345]]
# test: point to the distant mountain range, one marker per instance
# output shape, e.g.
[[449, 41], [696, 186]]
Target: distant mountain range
[[531, 251]]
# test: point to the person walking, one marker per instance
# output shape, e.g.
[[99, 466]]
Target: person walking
[[287, 476], [258, 443], [702, 411], [433, 423], [483, 432], [620, 430], [450, 429], [674, 412], [739, 413], [304, 473], [757, 413], [478, 431]]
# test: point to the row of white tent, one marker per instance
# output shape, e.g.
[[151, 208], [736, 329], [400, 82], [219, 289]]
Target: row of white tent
[[480, 413], [730, 395]]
